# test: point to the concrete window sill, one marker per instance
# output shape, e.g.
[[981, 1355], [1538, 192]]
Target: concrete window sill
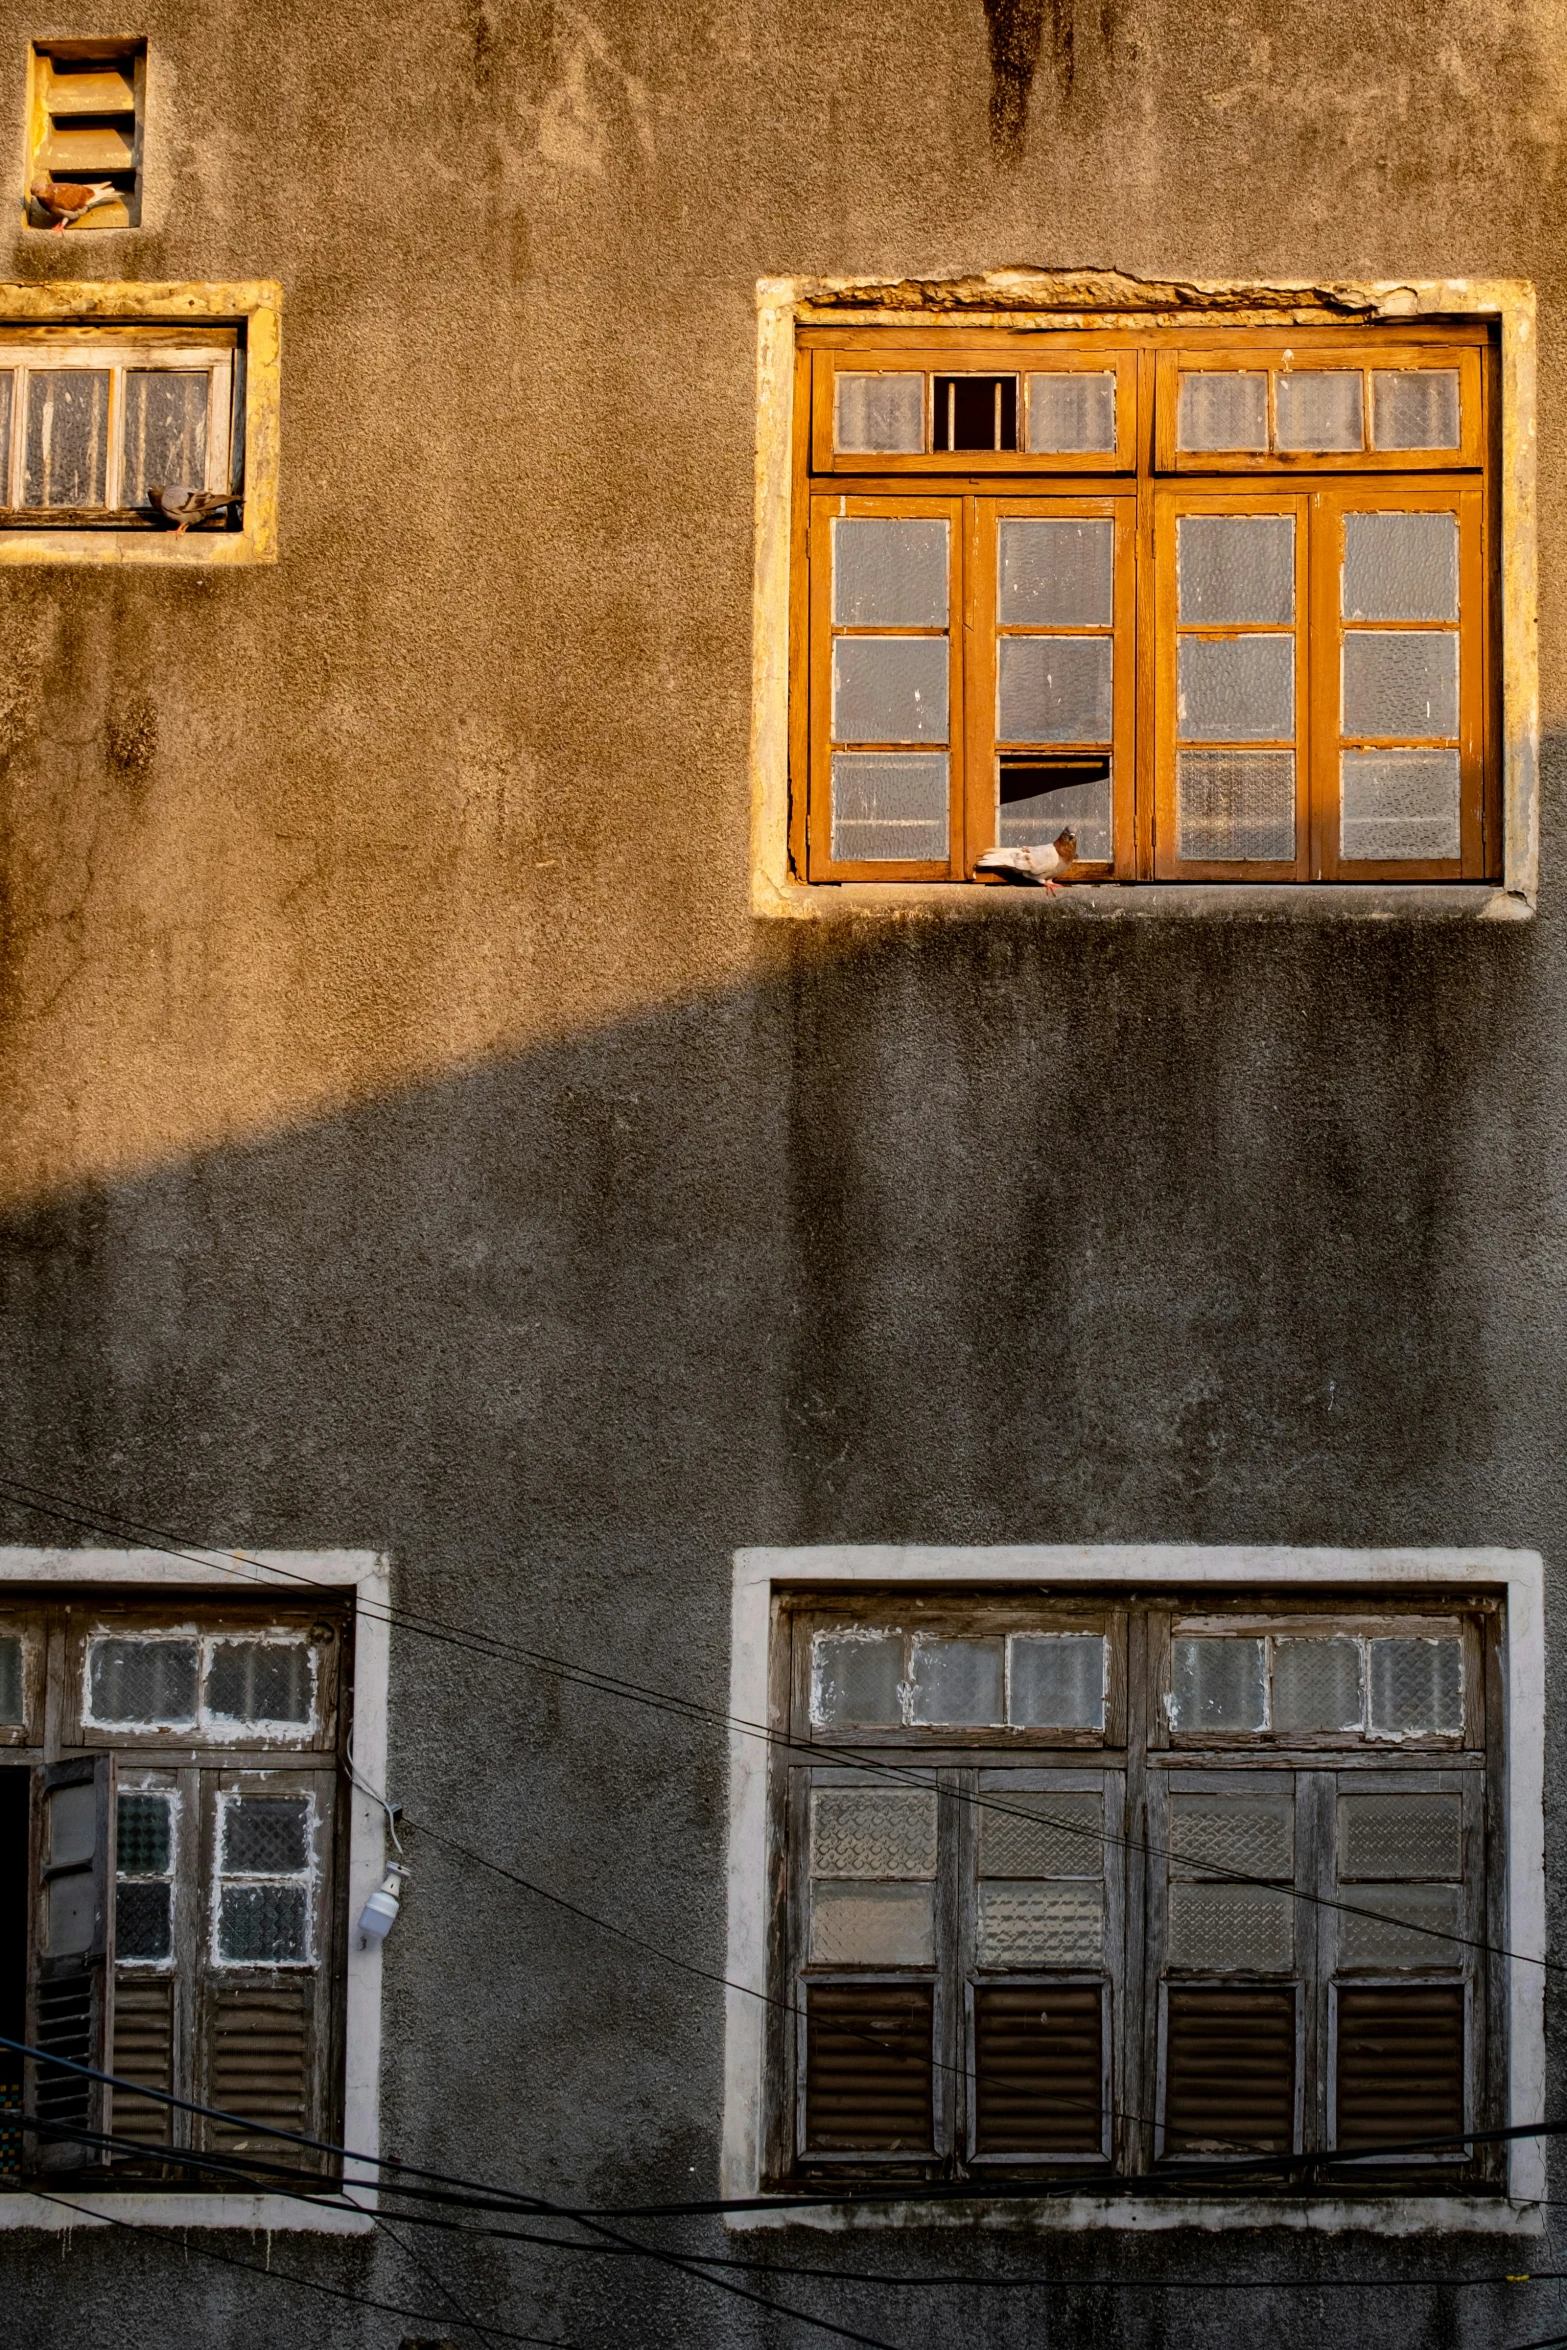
[[1108, 901]]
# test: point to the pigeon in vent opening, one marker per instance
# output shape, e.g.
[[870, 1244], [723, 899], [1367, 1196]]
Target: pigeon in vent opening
[[67, 200], [181, 504], [1030, 866]]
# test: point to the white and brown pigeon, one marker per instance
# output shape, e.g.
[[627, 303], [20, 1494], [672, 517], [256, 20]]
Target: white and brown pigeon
[[68, 200], [1030, 866], [179, 503]]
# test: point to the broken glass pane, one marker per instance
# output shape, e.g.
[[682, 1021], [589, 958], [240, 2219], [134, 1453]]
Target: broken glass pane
[[1055, 573], [1417, 1687], [143, 1924], [1250, 1836], [1426, 1937], [1217, 1685], [1316, 1685], [263, 1925], [1320, 408], [1415, 408], [956, 1681], [143, 1681], [872, 1925], [1223, 411], [1400, 1835], [143, 1836], [1399, 804], [880, 414], [1041, 1925], [889, 807], [1400, 567], [1039, 1833], [268, 1835], [1083, 809], [1225, 1929], [12, 1685], [1232, 806], [1056, 1680], [889, 574], [855, 1676], [66, 458], [889, 689], [1068, 414], [1236, 689], [873, 1832], [165, 431], [259, 1681], [1235, 570], [1054, 689]]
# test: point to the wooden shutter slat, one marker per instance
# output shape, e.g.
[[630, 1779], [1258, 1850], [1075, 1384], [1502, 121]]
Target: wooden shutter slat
[[259, 2068], [868, 2070], [1229, 2070], [1400, 2062], [1038, 2068]]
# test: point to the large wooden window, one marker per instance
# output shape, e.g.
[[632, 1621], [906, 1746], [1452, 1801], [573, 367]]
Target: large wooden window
[[93, 419], [1220, 603], [1119, 1887]]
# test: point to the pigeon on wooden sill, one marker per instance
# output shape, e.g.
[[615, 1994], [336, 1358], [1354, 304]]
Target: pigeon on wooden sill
[[68, 200], [181, 504], [1030, 866]]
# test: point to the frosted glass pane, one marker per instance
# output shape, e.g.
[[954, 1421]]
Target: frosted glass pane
[[266, 1835], [1055, 574], [880, 414], [1417, 1687], [1251, 1836], [1068, 413], [1316, 1685], [1041, 1925], [1235, 805], [1400, 1835], [143, 1923], [1084, 809], [1400, 567], [260, 1681], [1415, 408], [11, 1685], [887, 807], [66, 459], [73, 1825], [1056, 1680], [263, 1925], [1216, 1685], [7, 395], [889, 574], [1399, 804], [150, 1681], [165, 431], [1400, 683], [1321, 409], [1374, 1941], [1236, 689], [1228, 1929], [873, 1831], [72, 1914], [1223, 411], [889, 689], [855, 1677], [1235, 570], [872, 1925], [956, 1681], [1054, 689], [144, 1835], [1032, 1832]]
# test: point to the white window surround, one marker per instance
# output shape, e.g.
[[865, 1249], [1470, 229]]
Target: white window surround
[[142, 1574], [1517, 1576]]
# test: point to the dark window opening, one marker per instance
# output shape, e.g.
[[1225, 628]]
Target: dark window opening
[[976, 412]]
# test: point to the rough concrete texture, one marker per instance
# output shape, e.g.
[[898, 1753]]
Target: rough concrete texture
[[410, 1140]]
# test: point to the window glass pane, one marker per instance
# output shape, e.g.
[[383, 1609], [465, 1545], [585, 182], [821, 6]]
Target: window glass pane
[[73, 1825], [12, 1679], [1400, 567], [1235, 805], [889, 689], [957, 1681], [1396, 804], [1083, 809], [872, 1925], [873, 1832], [889, 574], [67, 452], [1400, 1835], [1236, 689], [1400, 684], [263, 1925], [143, 1838], [1250, 1836], [143, 1681], [165, 431], [1055, 573], [259, 1681], [1415, 408], [1230, 1929], [1428, 1938], [72, 1914], [1223, 411], [1041, 1925], [855, 1675], [269, 1834], [1216, 1685], [882, 414], [1417, 1687], [142, 1921], [1040, 1833], [1235, 570], [887, 807], [1318, 409], [7, 396], [1070, 413], [1056, 1680], [1054, 689], [1316, 1685]]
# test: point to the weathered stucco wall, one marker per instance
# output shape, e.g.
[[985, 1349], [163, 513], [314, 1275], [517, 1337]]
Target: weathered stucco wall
[[410, 1140]]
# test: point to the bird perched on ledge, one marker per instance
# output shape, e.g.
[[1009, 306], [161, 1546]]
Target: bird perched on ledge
[[181, 504], [1030, 866], [68, 200]]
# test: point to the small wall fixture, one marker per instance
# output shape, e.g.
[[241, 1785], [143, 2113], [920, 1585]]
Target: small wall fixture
[[379, 1914]]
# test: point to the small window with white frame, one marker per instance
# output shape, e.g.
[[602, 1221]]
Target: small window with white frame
[[132, 427]]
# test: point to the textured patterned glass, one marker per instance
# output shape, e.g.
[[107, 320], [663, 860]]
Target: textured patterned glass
[[1235, 570], [144, 1840], [1216, 1685], [889, 574], [1400, 567], [1231, 1929], [889, 689], [1037, 1833], [66, 456], [873, 1832], [1427, 1938], [956, 1681], [150, 1681], [1070, 413], [1398, 804], [1250, 1836], [889, 806], [259, 1681], [263, 1925], [1053, 689], [1400, 1835], [1041, 1925], [267, 1834], [143, 1922], [872, 1925], [1056, 1680], [855, 1678], [165, 431], [1417, 1687], [12, 1690], [1083, 810], [1055, 573], [1236, 689], [1322, 408], [1317, 1685], [1400, 683], [880, 415], [1235, 806], [1414, 408], [1222, 411]]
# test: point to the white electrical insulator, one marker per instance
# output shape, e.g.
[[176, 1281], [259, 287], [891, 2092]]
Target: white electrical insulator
[[379, 1914]]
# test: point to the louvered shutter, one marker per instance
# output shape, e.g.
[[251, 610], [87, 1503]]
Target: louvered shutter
[[1039, 2068], [1229, 2069], [144, 2054], [868, 2072], [1400, 2068], [72, 1990]]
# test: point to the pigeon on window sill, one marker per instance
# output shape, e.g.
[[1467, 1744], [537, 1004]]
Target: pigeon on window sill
[[181, 504], [67, 200], [1030, 867]]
